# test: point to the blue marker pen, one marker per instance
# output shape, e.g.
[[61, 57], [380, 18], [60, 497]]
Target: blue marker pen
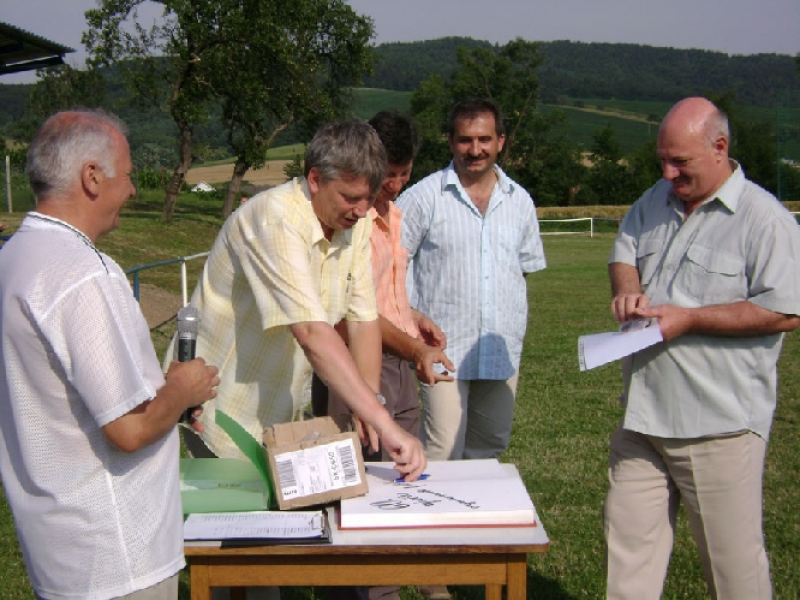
[[422, 477]]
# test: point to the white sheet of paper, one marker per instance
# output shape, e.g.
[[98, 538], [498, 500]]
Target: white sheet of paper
[[262, 524], [601, 348]]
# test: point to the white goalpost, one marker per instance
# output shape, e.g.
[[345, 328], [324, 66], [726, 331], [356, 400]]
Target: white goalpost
[[589, 227]]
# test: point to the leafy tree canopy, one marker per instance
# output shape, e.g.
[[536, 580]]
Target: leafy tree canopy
[[267, 63]]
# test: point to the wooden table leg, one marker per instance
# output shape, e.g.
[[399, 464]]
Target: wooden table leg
[[198, 582], [494, 592], [517, 577]]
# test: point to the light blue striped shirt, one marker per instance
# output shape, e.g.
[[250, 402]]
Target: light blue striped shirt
[[467, 270]]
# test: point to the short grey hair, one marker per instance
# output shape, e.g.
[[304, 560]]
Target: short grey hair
[[67, 141], [716, 126], [347, 148]]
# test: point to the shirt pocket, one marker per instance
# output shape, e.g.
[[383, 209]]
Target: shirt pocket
[[712, 276], [648, 256]]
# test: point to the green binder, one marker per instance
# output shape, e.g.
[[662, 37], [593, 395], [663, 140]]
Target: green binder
[[211, 485]]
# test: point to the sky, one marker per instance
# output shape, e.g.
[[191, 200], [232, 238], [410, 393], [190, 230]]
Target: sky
[[730, 26]]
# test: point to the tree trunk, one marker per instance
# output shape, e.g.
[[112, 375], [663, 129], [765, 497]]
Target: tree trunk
[[239, 169], [179, 174]]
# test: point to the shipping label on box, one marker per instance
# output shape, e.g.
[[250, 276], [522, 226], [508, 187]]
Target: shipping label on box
[[313, 462]]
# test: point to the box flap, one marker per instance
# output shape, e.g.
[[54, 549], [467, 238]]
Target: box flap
[[311, 430]]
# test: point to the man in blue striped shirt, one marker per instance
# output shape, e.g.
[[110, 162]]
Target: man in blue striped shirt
[[472, 236]]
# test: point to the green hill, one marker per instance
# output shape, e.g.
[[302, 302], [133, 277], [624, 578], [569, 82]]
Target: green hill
[[626, 85]]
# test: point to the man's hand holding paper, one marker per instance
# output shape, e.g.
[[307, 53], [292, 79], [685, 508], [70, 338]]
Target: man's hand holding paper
[[627, 306], [631, 307], [601, 348]]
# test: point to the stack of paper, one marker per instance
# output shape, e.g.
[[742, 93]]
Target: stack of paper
[[262, 527], [465, 493]]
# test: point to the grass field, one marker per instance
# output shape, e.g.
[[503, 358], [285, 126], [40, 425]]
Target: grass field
[[562, 425], [369, 101], [631, 130]]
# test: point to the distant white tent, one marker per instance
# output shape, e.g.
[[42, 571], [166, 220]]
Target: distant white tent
[[203, 187]]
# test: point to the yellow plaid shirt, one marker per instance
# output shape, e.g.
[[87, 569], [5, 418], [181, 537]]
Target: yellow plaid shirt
[[271, 267]]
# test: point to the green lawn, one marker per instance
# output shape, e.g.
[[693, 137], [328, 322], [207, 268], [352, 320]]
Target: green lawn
[[562, 425]]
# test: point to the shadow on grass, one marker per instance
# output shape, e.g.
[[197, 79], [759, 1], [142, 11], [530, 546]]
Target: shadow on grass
[[539, 588], [546, 588]]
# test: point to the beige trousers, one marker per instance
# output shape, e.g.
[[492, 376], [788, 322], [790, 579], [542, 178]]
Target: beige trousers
[[719, 482], [166, 590], [467, 418]]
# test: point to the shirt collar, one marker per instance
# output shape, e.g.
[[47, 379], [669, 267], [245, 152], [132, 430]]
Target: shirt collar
[[451, 179], [728, 193], [383, 223]]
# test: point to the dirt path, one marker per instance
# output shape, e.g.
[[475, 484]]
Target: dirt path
[[269, 174], [158, 306]]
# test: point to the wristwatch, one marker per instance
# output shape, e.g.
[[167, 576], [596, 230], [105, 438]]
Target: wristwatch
[[380, 398]]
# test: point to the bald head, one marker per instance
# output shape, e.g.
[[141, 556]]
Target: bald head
[[697, 116], [693, 149]]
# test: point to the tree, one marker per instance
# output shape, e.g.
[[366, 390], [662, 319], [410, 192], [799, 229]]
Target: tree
[[266, 63], [60, 88], [429, 105], [171, 51], [752, 143], [606, 181], [644, 168], [291, 64]]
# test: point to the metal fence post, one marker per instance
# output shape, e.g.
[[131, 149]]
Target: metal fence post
[[184, 292], [8, 183]]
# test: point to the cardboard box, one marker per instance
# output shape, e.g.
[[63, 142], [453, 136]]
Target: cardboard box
[[314, 462], [210, 485]]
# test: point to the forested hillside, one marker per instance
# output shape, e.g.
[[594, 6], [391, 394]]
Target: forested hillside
[[571, 71], [402, 66], [574, 69], [621, 71], [635, 72]]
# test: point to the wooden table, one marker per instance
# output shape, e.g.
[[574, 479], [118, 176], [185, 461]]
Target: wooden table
[[488, 556]]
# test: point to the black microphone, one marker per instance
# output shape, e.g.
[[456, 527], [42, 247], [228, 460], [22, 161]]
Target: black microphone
[[186, 349]]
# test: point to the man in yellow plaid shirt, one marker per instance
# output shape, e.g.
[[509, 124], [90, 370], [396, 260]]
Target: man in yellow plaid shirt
[[286, 266]]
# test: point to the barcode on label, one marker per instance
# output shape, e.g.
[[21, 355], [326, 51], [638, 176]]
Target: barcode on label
[[347, 457], [286, 473]]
